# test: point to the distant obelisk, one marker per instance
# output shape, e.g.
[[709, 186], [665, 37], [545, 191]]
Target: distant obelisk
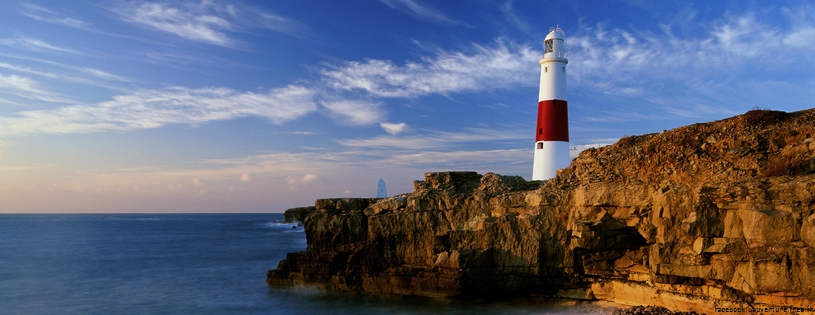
[[381, 191]]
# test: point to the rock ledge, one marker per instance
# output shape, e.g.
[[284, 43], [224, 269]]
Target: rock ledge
[[701, 217]]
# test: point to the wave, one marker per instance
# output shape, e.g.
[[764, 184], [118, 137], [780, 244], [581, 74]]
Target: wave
[[287, 227]]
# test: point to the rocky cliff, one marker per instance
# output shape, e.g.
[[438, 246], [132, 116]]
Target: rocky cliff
[[701, 217], [298, 215]]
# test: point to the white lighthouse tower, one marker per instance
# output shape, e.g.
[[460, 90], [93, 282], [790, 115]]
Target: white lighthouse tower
[[552, 132]]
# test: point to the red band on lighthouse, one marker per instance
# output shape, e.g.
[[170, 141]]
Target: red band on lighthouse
[[553, 121]]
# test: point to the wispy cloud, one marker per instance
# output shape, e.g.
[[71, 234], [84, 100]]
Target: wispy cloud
[[705, 73], [512, 18], [699, 110], [43, 14], [24, 168], [28, 88], [35, 45], [75, 74], [155, 108], [692, 68], [207, 22], [291, 179], [353, 162], [418, 153], [196, 26], [68, 78], [421, 11], [499, 66], [105, 75], [272, 21], [480, 159], [802, 35], [354, 112], [302, 133], [436, 139], [609, 116], [620, 61], [51, 75]]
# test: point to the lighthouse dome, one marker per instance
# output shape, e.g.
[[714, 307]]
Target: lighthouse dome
[[553, 44], [555, 33]]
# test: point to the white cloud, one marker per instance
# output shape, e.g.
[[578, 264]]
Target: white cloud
[[739, 37], [276, 22], [195, 26], [699, 110], [354, 112], [802, 38], [290, 178], [104, 75], [802, 33], [304, 132], [53, 17], [24, 168], [456, 159], [61, 20], [34, 44], [436, 139], [308, 178], [40, 73], [68, 78], [488, 68], [623, 62], [155, 108], [427, 150], [420, 11], [510, 16], [91, 71], [207, 21], [295, 182], [28, 88], [392, 128]]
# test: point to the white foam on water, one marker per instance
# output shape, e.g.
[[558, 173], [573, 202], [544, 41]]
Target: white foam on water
[[285, 227]]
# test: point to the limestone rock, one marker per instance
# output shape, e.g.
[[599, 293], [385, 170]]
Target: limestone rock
[[808, 231], [720, 214], [298, 214]]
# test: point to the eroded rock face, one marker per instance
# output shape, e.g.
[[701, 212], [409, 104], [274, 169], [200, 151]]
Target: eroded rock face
[[298, 214], [695, 218]]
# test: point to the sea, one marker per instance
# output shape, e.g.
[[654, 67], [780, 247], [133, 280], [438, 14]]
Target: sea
[[188, 264]]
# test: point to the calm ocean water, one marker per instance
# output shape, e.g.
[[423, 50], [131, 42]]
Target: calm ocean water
[[184, 264]]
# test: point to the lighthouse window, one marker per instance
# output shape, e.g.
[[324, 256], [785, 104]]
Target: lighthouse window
[[564, 69], [545, 69], [540, 145]]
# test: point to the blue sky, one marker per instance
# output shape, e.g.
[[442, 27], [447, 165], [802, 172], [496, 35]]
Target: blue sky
[[258, 106]]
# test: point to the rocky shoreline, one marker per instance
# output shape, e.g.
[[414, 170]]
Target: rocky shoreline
[[298, 215], [695, 219]]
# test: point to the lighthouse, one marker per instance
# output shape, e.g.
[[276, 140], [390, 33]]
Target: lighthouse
[[552, 132]]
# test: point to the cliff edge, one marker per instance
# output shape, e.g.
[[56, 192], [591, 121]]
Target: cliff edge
[[702, 217]]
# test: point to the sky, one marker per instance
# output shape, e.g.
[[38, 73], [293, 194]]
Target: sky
[[260, 106]]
